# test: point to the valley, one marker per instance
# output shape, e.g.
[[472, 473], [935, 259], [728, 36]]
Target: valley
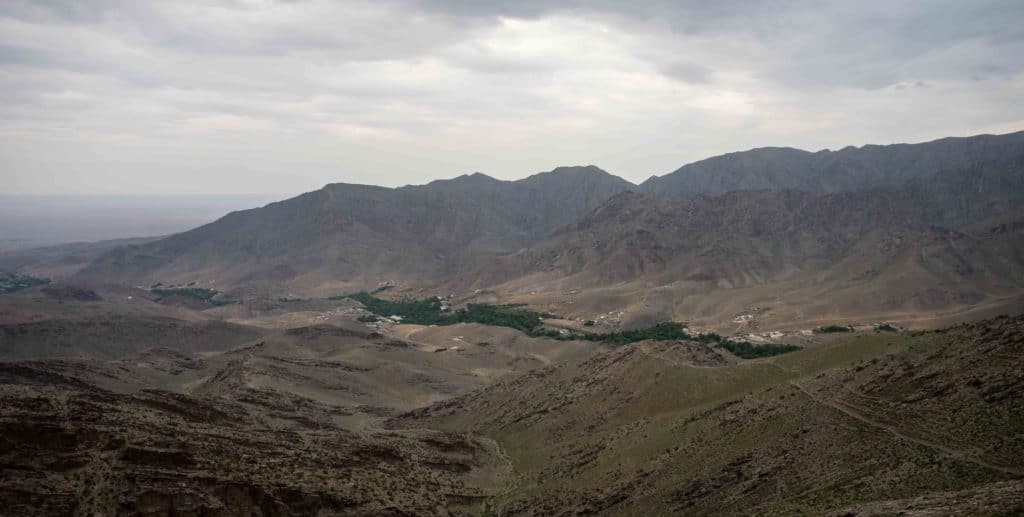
[[347, 417], [766, 332]]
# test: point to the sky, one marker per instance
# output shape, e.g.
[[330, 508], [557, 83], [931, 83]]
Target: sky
[[262, 97]]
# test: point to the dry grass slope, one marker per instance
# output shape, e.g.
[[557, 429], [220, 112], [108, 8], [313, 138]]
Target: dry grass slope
[[871, 423]]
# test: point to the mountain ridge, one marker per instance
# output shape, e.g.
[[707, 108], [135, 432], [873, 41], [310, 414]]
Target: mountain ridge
[[912, 245], [849, 168], [414, 231]]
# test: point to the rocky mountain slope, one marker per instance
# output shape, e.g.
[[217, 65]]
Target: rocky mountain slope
[[877, 423], [286, 423], [61, 260], [861, 233], [71, 447], [348, 236], [937, 242], [848, 169], [64, 321], [356, 234], [321, 413]]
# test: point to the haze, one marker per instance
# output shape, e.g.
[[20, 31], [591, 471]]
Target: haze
[[27, 221], [155, 98]]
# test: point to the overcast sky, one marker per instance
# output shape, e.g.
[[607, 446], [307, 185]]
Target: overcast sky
[[133, 97]]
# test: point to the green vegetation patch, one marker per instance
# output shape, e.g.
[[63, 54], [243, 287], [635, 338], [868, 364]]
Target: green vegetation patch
[[198, 293], [512, 316], [661, 332], [674, 330], [422, 312], [832, 329], [747, 350], [428, 311], [12, 282]]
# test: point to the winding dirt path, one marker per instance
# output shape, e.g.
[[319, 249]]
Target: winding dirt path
[[852, 412]]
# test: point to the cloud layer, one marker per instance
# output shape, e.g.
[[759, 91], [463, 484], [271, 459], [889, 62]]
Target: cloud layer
[[108, 96]]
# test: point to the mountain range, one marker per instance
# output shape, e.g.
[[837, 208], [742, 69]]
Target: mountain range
[[932, 226], [343, 235], [850, 168], [766, 332]]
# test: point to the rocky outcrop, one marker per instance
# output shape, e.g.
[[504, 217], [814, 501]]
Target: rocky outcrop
[[68, 447]]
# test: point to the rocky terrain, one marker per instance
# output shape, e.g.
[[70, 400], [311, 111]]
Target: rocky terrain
[[70, 447], [848, 169], [927, 232], [61, 260], [286, 423], [766, 332], [874, 424], [864, 255], [69, 321], [336, 416], [346, 237]]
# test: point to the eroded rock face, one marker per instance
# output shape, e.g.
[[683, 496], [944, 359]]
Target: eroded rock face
[[925, 422], [68, 447], [223, 500]]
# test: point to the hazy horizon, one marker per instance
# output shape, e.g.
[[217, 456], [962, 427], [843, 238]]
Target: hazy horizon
[[28, 221], [285, 194], [35, 220]]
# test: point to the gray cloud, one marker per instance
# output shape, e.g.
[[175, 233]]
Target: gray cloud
[[260, 96], [862, 44], [687, 71]]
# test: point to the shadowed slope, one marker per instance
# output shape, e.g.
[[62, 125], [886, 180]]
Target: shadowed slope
[[850, 168], [362, 234], [944, 241]]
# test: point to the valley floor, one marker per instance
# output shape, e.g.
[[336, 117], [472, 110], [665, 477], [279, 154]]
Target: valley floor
[[307, 411]]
